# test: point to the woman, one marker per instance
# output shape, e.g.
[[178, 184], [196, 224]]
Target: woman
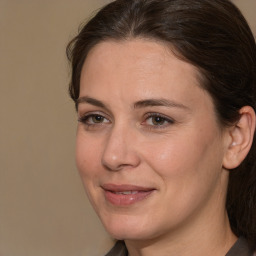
[[165, 94]]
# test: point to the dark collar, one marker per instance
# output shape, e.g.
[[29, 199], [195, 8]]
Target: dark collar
[[119, 249], [240, 248]]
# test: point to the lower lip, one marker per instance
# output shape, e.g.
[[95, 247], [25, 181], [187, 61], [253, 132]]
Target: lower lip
[[122, 199]]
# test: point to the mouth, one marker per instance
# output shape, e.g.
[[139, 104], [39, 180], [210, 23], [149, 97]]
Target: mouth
[[124, 195], [125, 192]]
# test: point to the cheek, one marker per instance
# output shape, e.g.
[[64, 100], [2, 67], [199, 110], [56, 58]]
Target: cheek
[[189, 169], [87, 158], [187, 159], [87, 161], [173, 156]]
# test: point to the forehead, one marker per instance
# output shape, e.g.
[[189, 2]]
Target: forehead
[[135, 57], [138, 68], [140, 51]]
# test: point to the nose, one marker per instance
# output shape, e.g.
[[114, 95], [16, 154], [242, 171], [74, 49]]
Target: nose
[[120, 150]]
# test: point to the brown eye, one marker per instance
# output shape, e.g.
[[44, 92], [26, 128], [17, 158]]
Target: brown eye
[[158, 120], [93, 119], [97, 119]]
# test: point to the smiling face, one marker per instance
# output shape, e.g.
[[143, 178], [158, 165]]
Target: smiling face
[[149, 148]]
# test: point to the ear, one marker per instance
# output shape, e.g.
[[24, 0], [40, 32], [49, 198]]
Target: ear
[[239, 138]]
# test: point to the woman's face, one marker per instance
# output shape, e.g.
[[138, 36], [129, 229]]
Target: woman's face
[[149, 148]]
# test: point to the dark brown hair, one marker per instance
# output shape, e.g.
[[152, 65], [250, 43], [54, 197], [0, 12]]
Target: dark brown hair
[[211, 35]]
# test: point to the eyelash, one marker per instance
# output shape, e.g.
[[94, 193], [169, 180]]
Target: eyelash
[[84, 119], [163, 118]]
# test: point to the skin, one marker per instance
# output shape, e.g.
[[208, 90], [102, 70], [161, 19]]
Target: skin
[[181, 158]]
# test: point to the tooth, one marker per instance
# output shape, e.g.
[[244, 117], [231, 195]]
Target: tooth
[[126, 192]]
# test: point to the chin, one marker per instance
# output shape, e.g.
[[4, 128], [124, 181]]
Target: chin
[[121, 233], [129, 228]]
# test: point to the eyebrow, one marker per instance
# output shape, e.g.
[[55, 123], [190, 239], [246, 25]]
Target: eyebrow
[[159, 102], [138, 104], [91, 101]]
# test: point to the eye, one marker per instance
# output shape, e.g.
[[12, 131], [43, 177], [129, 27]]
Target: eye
[[93, 119], [96, 119], [156, 119]]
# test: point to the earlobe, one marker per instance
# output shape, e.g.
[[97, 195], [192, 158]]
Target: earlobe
[[240, 138]]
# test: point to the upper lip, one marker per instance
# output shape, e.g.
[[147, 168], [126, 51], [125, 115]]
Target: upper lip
[[125, 187]]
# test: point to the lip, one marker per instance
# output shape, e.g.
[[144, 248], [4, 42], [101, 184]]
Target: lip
[[126, 194]]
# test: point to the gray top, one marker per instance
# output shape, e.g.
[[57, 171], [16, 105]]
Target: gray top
[[240, 248]]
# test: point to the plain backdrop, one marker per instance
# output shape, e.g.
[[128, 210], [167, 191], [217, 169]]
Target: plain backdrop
[[43, 208]]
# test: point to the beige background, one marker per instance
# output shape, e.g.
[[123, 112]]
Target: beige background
[[43, 208]]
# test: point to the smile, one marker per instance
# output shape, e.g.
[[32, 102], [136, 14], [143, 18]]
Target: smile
[[126, 192], [125, 195]]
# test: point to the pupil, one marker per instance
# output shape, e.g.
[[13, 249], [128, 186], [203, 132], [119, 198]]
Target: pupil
[[158, 120], [97, 119]]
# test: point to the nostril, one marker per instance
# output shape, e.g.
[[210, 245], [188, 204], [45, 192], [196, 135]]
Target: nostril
[[117, 163], [119, 152]]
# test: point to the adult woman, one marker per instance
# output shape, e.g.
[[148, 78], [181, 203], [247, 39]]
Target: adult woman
[[165, 140]]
